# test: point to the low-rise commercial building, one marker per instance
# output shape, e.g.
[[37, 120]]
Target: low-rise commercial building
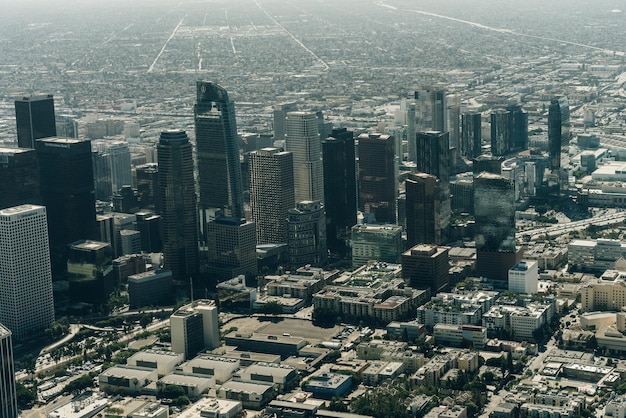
[[284, 377], [329, 385], [126, 379], [212, 408], [220, 368], [460, 335], [193, 385], [282, 345], [164, 362], [251, 395]]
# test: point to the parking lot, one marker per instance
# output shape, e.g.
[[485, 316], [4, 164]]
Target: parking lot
[[279, 326]]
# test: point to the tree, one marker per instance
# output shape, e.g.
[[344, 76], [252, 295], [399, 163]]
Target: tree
[[25, 397], [171, 391], [272, 308], [145, 321]]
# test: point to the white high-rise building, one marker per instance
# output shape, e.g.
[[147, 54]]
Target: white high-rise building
[[194, 328], [8, 397], [524, 277], [26, 304], [302, 138]]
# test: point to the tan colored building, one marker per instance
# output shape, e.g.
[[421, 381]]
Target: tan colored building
[[604, 296]]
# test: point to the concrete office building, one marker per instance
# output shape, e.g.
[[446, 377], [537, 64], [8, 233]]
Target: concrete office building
[[271, 193], [231, 248], [194, 328], [26, 304], [524, 277], [151, 288], [8, 395], [426, 267]]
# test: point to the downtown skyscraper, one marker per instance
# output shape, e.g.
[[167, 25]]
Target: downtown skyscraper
[[8, 393], [433, 157], [67, 191], [34, 117], [219, 167], [271, 193], [26, 304], [303, 140], [377, 177], [177, 202], [19, 177], [339, 188]]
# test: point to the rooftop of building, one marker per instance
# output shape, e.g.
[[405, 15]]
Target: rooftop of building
[[206, 406], [16, 210], [156, 355], [89, 245], [185, 380]]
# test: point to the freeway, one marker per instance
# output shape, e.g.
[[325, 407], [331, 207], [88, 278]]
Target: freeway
[[564, 228]]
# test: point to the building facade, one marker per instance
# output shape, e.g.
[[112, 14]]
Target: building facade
[[177, 201], [217, 145], [272, 193], [19, 177], [306, 240], [303, 140], [67, 192], [377, 177], [340, 188], [8, 394], [426, 267], [494, 212], [231, 248], [471, 135], [376, 242], [26, 304], [195, 327], [34, 117], [423, 210]]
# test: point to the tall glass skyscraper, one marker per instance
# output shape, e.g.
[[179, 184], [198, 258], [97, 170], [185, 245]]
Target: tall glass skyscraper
[[471, 135], [19, 177], [217, 146], [554, 134], [34, 117], [67, 191], [340, 187], [303, 140], [177, 202], [494, 211], [377, 177]]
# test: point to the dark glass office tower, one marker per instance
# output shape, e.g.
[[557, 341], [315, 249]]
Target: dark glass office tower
[[471, 135], [518, 127], [147, 176], [67, 191], [433, 157], [494, 212], [217, 146], [177, 199], [339, 188], [90, 271], [377, 176], [423, 209], [19, 177], [500, 140], [34, 117], [438, 108], [554, 134]]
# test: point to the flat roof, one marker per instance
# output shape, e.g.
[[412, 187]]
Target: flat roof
[[19, 209]]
